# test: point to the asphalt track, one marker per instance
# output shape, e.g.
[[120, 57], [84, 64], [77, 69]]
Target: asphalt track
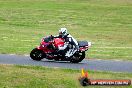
[[93, 64]]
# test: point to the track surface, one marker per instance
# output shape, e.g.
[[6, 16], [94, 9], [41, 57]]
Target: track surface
[[100, 65]]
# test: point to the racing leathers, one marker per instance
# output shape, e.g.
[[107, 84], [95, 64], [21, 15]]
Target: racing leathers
[[70, 45]]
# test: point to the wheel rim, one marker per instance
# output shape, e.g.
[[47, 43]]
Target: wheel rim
[[77, 57], [37, 54]]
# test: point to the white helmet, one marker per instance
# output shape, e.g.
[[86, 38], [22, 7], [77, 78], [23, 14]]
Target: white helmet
[[63, 32]]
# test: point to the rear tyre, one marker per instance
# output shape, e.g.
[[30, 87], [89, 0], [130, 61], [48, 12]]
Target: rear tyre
[[78, 57], [37, 54]]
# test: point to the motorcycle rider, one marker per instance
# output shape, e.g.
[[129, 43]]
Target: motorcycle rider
[[69, 40]]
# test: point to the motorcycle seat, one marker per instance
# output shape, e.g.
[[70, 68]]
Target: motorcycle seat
[[82, 43]]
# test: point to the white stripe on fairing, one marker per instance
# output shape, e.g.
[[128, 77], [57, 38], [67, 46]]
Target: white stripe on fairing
[[115, 47]]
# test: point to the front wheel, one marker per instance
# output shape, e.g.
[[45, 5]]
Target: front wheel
[[78, 57], [36, 54]]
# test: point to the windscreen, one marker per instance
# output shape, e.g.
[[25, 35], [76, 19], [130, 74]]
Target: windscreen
[[47, 39]]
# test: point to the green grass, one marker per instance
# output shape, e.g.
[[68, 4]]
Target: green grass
[[16, 76], [106, 23]]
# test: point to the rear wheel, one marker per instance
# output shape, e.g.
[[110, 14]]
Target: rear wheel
[[36, 54], [78, 57]]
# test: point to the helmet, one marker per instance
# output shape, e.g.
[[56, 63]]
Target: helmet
[[63, 32]]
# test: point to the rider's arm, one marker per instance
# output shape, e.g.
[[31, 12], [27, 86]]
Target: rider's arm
[[63, 47], [72, 40]]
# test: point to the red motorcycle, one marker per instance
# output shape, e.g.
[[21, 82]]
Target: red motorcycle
[[49, 49]]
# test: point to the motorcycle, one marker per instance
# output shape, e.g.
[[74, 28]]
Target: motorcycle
[[49, 49]]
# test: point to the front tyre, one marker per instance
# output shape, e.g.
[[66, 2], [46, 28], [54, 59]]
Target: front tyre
[[36, 54], [78, 57]]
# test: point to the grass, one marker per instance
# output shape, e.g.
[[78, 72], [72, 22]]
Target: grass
[[16, 76], [106, 23]]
